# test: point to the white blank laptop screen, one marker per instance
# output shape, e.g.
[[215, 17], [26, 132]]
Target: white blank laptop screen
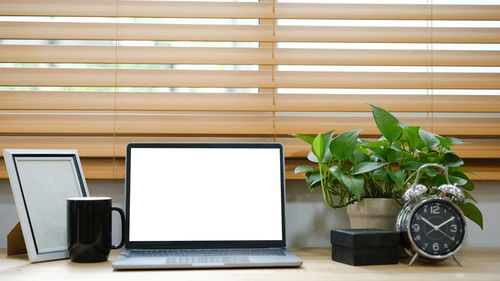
[[205, 194]]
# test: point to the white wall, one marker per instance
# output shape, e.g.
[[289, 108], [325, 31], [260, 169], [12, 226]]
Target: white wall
[[308, 219]]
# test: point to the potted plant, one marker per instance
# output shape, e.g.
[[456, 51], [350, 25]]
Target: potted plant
[[350, 171]]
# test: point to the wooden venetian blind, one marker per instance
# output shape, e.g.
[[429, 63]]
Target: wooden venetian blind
[[95, 75]]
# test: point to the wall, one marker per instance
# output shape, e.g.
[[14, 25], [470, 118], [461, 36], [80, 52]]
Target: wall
[[308, 219]]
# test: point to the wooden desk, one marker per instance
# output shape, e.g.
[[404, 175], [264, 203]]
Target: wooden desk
[[479, 264]]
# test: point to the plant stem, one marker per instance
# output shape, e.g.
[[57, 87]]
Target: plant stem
[[324, 189]]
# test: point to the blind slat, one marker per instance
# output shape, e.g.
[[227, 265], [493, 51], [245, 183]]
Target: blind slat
[[57, 77], [387, 80], [194, 78], [194, 101], [387, 11], [141, 8], [57, 54], [195, 32], [367, 34], [396, 103], [87, 146], [122, 141], [386, 57], [179, 55], [57, 30], [60, 100], [134, 31], [195, 123], [102, 123], [130, 8], [455, 126], [67, 8], [172, 9], [134, 77], [57, 123]]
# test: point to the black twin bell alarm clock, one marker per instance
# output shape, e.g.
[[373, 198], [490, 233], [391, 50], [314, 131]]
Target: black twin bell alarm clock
[[433, 226]]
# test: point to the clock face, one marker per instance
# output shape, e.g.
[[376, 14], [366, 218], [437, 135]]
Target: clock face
[[437, 227]]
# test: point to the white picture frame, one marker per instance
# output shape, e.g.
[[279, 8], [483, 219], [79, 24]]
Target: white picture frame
[[41, 180]]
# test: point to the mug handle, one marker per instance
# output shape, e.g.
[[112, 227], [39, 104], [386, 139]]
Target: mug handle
[[122, 216]]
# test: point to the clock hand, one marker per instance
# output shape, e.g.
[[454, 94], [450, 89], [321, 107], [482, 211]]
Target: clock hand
[[444, 234], [450, 219], [437, 227], [427, 222]]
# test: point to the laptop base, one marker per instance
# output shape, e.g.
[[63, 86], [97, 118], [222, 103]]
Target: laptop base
[[212, 258]]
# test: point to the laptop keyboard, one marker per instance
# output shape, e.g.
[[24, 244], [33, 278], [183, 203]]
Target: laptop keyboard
[[207, 252], [208, 256]]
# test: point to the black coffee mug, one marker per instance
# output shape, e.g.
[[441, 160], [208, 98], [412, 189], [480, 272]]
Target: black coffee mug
[[89, 228]]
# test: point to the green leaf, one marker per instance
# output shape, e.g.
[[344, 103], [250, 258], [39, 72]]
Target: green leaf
[[336, 172], [378, 153], [364, 167], [471, 172], [318, 147], [444, 142], [402, 125], [305, 138], [412, 165], [355, 184], [452, 160], [454, 141], [411, 134], [387, 124], [394, 155], [313, 180], [357, 157], [311, 157], [458, 181], [429, 139], [327, 138], [379, 143], [468, 183], [397, 176], [381, 174], [378, 149], [343, 145], [303, 168], [472, 212], [469, 196], [396, 146], [430, 171]]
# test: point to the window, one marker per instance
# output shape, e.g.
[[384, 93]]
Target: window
[[94, 75]]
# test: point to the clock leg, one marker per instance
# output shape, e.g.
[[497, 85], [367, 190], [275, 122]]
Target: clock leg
[[413, 259], [457, 260]]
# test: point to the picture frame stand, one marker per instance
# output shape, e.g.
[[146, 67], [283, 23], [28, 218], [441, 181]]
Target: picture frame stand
[[15, 241]]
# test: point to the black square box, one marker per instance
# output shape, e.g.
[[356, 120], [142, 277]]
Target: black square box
[[365, 246]]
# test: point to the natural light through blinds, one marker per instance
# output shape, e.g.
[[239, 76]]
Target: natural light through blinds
[[94, 75]]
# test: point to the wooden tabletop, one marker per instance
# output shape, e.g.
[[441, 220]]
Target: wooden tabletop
[[478, 264]]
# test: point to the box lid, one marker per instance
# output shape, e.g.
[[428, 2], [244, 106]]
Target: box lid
[[364, 238]]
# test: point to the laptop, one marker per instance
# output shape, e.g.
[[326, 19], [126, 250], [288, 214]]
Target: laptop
[[205, 205]]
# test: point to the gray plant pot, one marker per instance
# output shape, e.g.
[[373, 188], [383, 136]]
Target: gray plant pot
[[374, 213]]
